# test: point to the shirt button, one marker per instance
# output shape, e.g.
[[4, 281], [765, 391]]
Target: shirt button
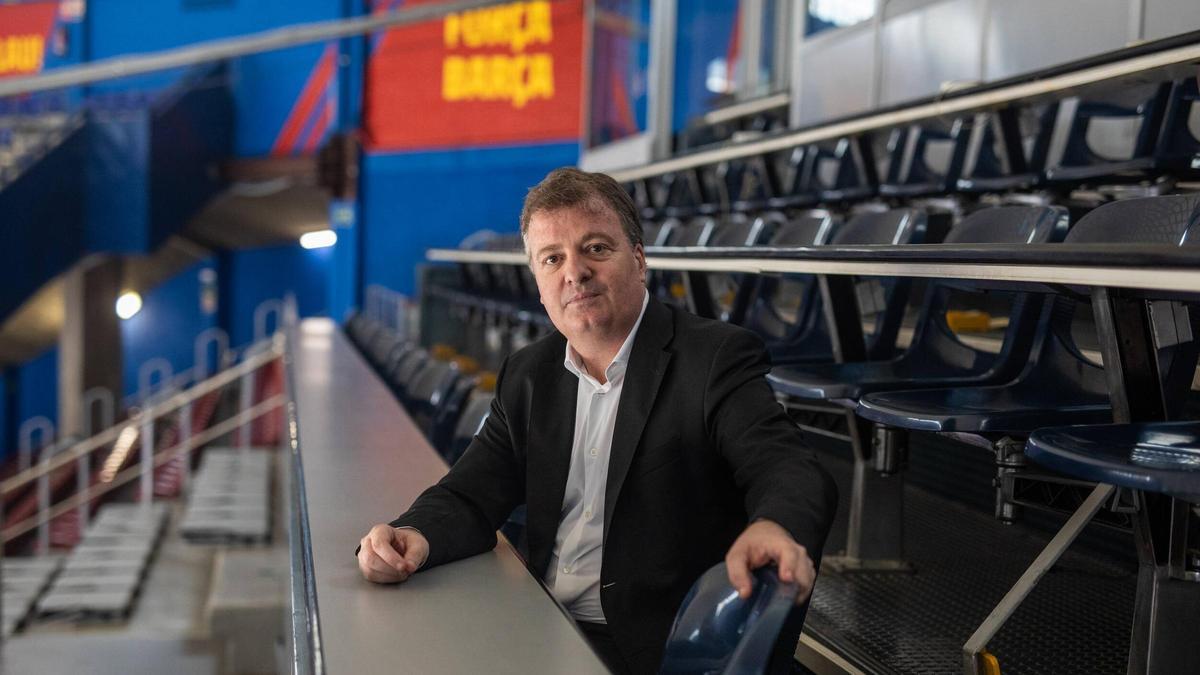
[[593, 452], [566, 570], [587, 514]]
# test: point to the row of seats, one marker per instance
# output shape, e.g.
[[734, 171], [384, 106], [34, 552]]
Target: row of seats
[[447, 395], [1128, 134]]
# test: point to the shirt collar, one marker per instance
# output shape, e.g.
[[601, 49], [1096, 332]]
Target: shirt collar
[[572, 362]]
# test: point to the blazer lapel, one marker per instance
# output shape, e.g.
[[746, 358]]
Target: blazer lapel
[[647, 364], [551, 431]]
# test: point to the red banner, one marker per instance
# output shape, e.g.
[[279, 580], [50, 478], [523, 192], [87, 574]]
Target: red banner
[[508, 73], [24, 30]]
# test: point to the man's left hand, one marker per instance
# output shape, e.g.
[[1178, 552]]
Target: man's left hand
[[764, 542]]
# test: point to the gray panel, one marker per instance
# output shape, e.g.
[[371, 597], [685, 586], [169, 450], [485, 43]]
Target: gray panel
[[1170, 17], [837, 74], [929, 46], [1026, 35]]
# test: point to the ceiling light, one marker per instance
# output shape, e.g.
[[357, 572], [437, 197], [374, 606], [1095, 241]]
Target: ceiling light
[[128, 304], [318, 239]]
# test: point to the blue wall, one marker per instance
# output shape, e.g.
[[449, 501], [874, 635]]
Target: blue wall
[[415, 201], [268, 273], [167, 326], [38, 384], [265, 86], [173, 315]]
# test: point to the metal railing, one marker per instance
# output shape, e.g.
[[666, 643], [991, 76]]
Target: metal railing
[[124, 434]]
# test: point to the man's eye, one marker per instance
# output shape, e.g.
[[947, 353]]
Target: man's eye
[[597, 248], [550, 260]]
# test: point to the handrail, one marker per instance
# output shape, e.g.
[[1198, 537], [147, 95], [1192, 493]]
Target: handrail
[[990, 97], [1183, 279], [307, 654], [151, 413], [127, 475]]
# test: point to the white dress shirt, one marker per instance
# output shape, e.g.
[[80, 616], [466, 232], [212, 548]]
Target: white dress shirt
[[574, 572]]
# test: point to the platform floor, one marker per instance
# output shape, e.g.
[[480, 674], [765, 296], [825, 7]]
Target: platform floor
[[1077, 620]]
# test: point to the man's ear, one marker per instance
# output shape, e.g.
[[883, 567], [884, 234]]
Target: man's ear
[[639, 252]]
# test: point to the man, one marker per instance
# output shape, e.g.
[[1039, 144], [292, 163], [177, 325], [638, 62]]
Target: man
[[644, 441]]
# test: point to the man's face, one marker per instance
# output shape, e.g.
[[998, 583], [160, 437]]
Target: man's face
[[589, 277]]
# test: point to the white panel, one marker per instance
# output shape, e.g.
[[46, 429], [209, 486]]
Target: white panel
[[1171, 17], [1025, 35], [929, 46], [836, 75]]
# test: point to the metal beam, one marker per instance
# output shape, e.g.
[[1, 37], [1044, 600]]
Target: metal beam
[[226, 48], [1148, 278]]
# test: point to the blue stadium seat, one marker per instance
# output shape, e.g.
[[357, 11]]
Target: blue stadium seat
[[1160, 461], [839, 170], [475, 412], [881, 301], [929, 158], [718, 295], [793, 189], [1007, 149], [936, 357], [715, 631], [1083, 127], [1058, 385], [1162, 457], [782, 309], [1179, 143]]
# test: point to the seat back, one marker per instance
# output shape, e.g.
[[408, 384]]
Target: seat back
[[996, 157], [1056, 362], [1171, 219], [1089, 133], [670, 287], [780, 308], [930, 158], [935, 344], [475, 413], [839, 170], [716, 631], [734, 230], [882, 301], [1179, 143]]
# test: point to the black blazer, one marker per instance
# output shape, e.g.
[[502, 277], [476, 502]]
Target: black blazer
[[700, 448]]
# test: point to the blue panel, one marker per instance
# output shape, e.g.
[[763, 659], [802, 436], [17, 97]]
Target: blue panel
[[345, 263], [265, 85], [268, 274], [167, 326], [42, 232], [706, 30], [117, 182], [415, 201], [38, 387], [121, 27], [189, 136]]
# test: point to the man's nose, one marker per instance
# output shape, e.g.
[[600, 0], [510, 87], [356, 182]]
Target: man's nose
[[577, 270]]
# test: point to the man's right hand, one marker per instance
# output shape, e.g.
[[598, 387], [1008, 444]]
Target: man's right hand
[[389, 555]]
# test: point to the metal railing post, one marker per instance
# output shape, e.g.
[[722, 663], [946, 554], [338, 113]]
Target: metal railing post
[[43, 498], [156, 366], [25, 440], [261, 312], [245, 400], [147, 461], [83, 468], [185, 437], [207, 337]]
